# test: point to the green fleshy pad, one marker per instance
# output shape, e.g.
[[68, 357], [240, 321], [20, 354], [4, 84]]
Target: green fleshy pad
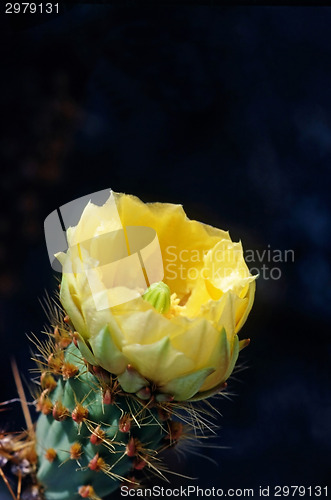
[[63, 477]]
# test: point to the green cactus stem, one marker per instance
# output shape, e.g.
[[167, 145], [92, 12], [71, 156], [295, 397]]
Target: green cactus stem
[[90, 435]]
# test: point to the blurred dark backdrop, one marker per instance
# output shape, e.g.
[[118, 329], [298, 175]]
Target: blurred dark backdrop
[[227, 111]]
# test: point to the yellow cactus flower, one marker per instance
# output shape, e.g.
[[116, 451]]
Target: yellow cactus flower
[[178, 336]]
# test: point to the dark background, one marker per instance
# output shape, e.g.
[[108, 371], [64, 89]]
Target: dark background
[[225, 110]]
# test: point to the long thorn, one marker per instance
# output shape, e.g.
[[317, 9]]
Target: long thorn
[[7, 484], [19, 485], [21, 394]]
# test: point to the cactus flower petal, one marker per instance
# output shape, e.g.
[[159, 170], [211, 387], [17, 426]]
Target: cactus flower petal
[[183, 388], [159, 361], [207, 394], [131, 380], [70, 295], [220, 360], [106, 353], [85, 350]]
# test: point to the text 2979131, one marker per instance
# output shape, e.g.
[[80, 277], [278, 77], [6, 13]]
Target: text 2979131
[[31, 8]]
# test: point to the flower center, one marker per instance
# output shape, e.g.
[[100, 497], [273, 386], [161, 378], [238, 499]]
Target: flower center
[[158, 295]]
